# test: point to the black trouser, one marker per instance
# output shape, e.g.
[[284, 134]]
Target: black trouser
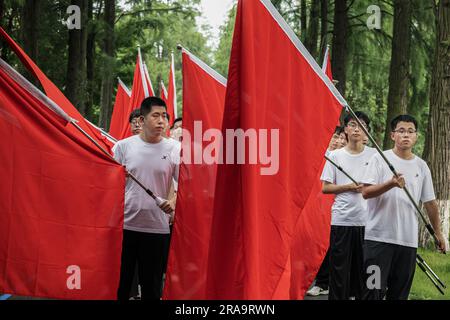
[[397, 265], [148, 251], [323, 276], [346, 262]]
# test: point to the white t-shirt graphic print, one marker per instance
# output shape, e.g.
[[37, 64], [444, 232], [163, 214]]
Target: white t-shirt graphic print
[[155, 165], [392, 217], [349, 208]]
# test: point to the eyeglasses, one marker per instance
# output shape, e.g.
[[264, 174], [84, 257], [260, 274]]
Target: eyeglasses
[[403, 131], [135, 123], [355, 125]]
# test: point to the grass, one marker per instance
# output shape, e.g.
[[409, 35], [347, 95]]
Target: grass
[[423, 288]]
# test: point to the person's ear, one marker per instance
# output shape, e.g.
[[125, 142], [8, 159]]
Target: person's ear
[[393, 136]]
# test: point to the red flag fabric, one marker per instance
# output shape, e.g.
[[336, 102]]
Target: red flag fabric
[[55, 94], [151, 92], [120, 115], [203, 103], [326, 66], [61, 202], [172, 94], [139, 92], [274, 85], [164, 93]]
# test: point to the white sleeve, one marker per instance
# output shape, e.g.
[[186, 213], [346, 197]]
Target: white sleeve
[[427, 187], [118, 155], [372, 174], [175, 157], [329, 171]]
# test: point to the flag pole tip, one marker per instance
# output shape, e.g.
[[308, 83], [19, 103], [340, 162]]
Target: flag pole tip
[[179, 47]]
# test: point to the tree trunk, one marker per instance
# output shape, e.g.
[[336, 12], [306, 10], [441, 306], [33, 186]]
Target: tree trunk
[[399, 70], [108, 64], [90, 60], [323, 28], [313, 29], [30, 29], [340, 44], [303, 20], [437, 143], [76, 68]]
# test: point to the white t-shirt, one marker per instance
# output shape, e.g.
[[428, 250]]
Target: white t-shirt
[[155, 165], [349, 208], [392, 217]]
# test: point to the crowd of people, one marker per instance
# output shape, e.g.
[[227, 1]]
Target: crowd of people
[[373, 222]]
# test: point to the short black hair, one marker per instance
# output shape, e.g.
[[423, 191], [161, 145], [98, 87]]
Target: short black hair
[[339, 130], [175, 121], [149, 103], [134, 114], [403, 118], [360, 115]]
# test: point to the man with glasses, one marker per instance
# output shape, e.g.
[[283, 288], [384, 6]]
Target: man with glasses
[[134, 122], [392, 227], [349, 211]]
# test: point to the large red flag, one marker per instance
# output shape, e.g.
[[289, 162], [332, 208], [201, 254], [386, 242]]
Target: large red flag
[[120, 115], [61, 201], [139, 92], [55, 94], [279, 95], [172, 93], [203, 103], [312, 231]]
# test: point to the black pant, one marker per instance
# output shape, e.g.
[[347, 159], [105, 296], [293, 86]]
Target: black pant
[[397, 265], [346, 262], [148, 251], [323, 276]]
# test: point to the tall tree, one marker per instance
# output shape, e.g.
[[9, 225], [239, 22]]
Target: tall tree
[[76, 66], [108, 69], [30, 28], [313, 28], [437, 145], [303, 20], [340, 44], [400, 64], [323, 28]]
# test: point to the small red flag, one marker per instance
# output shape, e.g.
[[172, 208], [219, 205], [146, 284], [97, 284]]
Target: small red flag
[[120, 115]]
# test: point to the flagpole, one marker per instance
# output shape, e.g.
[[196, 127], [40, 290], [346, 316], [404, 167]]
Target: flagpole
[[418, 211], [419, 260], [159, 201]]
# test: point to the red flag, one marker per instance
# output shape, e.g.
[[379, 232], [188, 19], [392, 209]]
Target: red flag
[[61, 201], [120, 115], [203, 102], [164, 93], [326, 66], [274, 85], [55, 94], [139, 92], [172, 94], [151, 92]]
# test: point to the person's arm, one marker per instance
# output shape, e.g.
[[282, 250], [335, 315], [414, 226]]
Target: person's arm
[[433, 213], [376, 190], [331, 188]]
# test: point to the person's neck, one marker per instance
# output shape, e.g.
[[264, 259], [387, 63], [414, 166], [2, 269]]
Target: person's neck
[[405, 154], [150, 138], [354, 147]]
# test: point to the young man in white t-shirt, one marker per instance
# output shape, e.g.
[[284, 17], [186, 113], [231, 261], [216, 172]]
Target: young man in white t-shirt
[[154, 160], [338, 141], [392, 228], [349, 212]]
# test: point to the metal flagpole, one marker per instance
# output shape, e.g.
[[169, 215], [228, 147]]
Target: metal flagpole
[[419, 260]]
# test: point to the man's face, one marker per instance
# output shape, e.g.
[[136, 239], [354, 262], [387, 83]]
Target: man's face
[[154, 123], [135, 126], [177, 125], [354, 132], [342, 140], [334, 143], [404, 135]]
